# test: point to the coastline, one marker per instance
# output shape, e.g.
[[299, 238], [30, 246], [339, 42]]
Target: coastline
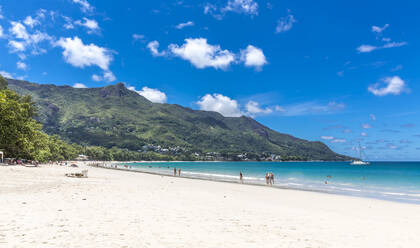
[[112, 208]]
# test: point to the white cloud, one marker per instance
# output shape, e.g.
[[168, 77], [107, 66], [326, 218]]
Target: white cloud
[[369, 48], [31, 22], [79, 86], [379, 30], [21, 65], [391, 86], [19, 30], [363, 134], [1, 32], [249, 7], [253, 108], [201, 54], [347, 131], [154, 48], [107, 76], [69, 22], [373, 117], [285, 24], [17, 46], [22, 39], [153, 95], [327, 137], [185, 24], [221, 104], [6, 74], [84, 5], [338, 141], [90, 24], [366, 126], [253, 57], [80, 55]]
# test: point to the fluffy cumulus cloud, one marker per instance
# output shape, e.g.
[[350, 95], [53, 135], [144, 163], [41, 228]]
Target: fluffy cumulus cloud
[[184, 24], [154, 48], [79, 86], [253, 57], [253, 108], [327, 137], [80, 55], [201, 54], [91, 25], [76, 53], [221, 104], [153, 95], [1, 32], [84, 5], [338, 141], [285, 23], [389, 86]]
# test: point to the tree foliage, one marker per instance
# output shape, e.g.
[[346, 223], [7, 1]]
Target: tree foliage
[[22, 137]]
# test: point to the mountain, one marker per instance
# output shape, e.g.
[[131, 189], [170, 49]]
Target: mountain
[[114, 116]]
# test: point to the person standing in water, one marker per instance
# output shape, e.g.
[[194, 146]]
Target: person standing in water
[[174, 171], [271, 178], [241, 177], [179, 172], [267, 178]]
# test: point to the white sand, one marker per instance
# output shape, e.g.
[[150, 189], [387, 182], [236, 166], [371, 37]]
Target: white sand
[[39, 207]]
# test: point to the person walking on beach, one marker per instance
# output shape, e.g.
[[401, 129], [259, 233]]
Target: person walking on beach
[[174, 171], [271, 178], [179, 172], [267, 178], [241, 177]]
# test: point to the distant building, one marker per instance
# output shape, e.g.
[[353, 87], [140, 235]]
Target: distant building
[[82, 157]]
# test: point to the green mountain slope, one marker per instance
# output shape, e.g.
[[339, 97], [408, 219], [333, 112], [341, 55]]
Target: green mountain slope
[[114, 116]]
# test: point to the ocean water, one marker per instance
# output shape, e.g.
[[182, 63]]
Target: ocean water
[[395, 181]]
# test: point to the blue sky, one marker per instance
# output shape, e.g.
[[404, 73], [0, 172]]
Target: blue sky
[[319, 70]]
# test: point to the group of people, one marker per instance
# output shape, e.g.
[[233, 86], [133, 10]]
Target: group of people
[[179, 172], [269, 178]]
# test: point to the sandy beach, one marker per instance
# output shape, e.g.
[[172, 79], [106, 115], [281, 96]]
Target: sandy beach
[[40, 207]]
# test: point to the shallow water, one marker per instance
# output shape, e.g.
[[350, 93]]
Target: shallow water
[[396, 181]]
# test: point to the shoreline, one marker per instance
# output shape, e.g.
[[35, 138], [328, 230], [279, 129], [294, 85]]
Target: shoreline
[[170, 175], [112, 208]]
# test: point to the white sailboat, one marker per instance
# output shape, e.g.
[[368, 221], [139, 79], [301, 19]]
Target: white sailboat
[[360, 162]]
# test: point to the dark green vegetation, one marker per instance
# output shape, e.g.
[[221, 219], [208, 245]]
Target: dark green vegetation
[[21, 135], [118, 119]]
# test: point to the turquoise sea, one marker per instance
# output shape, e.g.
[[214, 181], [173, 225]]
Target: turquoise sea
[[395, 181]]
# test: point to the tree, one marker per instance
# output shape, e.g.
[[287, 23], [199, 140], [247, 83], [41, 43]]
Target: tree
[[22, 137], [3, 83]]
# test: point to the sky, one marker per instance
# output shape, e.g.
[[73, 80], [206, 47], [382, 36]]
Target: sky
[[331, 71]]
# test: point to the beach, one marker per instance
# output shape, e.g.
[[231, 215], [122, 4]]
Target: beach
[[40, 207]]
